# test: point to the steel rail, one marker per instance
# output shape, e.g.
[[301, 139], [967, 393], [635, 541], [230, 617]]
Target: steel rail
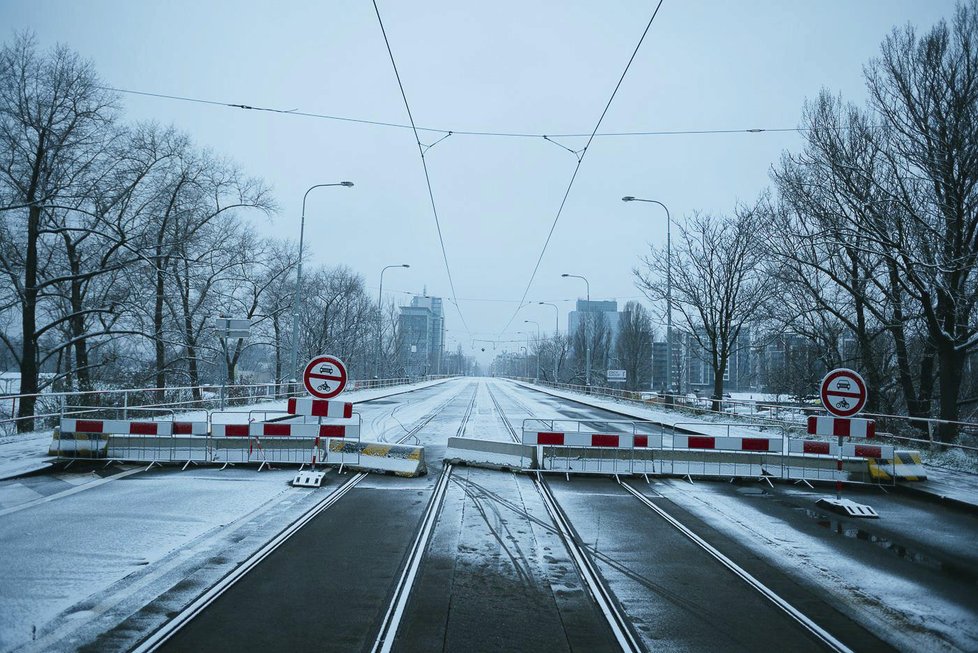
[[820, 633], [402, 591], [586, 568], [185, 616]]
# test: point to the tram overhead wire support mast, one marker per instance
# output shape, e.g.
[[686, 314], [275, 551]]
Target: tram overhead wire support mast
[[298, 279], [380, 317], [587, 329], [629, 198]]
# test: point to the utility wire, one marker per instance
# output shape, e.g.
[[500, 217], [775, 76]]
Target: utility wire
[[577, 168], [421, 150], [457, 132]]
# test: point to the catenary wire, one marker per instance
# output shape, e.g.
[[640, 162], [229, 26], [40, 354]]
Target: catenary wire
[[424, 164], [460, 132], [577, 168]]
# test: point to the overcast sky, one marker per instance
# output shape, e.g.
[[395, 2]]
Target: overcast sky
[[501, 66]]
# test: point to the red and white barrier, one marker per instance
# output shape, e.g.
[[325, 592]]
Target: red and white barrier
[[598, 440], [319, 407], [732, 443], [284, 429], [824, 448], [126, 427], [846, 427]]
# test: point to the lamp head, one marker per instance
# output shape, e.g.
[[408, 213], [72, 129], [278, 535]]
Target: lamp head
[[565, 275], [348, 184], [628, 198], [405, 265]]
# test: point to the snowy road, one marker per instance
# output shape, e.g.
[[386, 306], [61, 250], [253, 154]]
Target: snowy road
[[98, 561]]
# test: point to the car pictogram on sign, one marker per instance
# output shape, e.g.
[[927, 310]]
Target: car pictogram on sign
[[843, 385]]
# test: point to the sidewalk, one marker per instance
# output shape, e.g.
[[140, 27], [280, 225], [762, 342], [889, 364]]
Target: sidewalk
[[24, 453], [959, 489]]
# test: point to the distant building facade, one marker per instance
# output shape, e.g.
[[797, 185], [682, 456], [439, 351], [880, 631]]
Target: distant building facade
[[609, 308], [422, 336]]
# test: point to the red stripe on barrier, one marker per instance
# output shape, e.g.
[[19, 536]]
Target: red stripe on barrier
[[604, 440], [701, 443], [319, 408], [277, 429], [871, 430], [812, 424], [641, 440], [754, 444], [332, 431], [550, 438], [88, 426], [866, 451], [236, 430], [143, 428], [815, 447], [347, 410], [291, 407], [841, 427], [183, 428]]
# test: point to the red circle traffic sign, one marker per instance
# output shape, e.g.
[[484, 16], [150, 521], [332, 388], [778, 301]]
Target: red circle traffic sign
[[324, 377], [843, 392]]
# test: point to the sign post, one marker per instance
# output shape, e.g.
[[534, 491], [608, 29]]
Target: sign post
[[227, 328], [843, 393]]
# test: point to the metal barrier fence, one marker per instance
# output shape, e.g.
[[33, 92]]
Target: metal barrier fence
[[910, 431], [51, 406], [649, 448]]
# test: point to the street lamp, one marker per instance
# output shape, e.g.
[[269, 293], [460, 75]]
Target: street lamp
[[629, 198], [587, 330], [298, 279], [556, 332], [380, 316], [538, 345]]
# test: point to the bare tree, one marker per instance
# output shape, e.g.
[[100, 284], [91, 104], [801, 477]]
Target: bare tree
[[53, 116], [717, 284], [634, 345]]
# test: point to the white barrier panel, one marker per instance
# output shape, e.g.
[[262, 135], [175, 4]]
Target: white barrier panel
[[709, 442], [284, 429], [845, 427], [576, 439], [821, 447], [319, 407], [126, 427]]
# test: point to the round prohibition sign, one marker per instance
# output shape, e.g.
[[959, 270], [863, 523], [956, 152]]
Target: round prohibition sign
[[843, 392], [324, 377]]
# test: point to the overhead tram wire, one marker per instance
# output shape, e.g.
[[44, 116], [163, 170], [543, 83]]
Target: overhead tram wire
[[424, 163], [457, 132], [577, 168]]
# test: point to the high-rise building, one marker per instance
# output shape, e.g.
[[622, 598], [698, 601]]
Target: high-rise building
[[608, 308], [422, 336]]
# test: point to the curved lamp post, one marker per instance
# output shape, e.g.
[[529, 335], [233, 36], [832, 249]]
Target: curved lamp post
[[380, 317], [298, 279], [587, 330], [629, 198]]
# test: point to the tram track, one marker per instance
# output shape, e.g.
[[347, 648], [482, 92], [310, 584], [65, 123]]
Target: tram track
[[580, 554], [199, 605], [815, 630], [402, 590]]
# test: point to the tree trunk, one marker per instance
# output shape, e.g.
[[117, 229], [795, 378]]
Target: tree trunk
[[29, 356], [159, 344], [950, 366]]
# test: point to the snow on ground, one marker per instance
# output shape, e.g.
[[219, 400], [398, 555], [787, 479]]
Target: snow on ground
[[885, 602]]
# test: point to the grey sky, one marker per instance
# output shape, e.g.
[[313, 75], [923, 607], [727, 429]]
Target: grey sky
[[543, 68]]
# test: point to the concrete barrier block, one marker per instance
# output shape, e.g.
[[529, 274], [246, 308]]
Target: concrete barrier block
[[491, 454], [400, 459]]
